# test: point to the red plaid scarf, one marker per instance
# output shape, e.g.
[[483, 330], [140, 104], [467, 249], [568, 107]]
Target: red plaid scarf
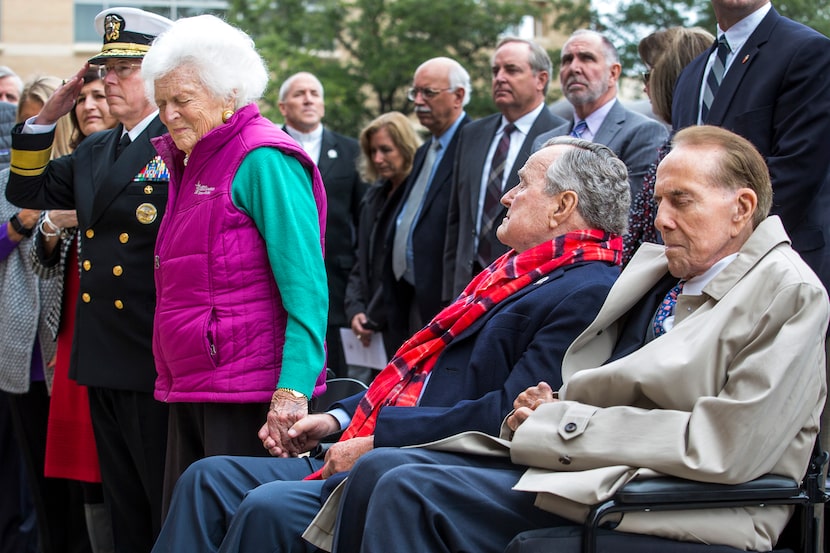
[[401, 382]]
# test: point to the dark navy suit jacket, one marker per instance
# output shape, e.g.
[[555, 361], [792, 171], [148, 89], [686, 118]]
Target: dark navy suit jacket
[[776, 94], [460, 242], [515, 345], [427, 244]]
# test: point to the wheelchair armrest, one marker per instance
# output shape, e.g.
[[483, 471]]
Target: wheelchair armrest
[[674, 490]]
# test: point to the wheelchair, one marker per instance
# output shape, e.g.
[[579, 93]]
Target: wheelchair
[[802, 534]]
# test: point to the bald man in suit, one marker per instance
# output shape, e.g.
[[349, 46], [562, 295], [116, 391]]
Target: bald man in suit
[[588, 73]]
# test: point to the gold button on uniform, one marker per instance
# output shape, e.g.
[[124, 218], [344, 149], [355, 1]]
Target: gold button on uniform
[[148, 189], [87, 264], [89, 233], [86, 297], [123, 238], [117, 270], [119, 304]]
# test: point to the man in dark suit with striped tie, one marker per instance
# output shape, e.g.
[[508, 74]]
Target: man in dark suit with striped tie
[[490, 153]]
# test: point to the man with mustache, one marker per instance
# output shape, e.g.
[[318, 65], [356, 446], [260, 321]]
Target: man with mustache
[[588, 73], [412, 280], [490, 153]]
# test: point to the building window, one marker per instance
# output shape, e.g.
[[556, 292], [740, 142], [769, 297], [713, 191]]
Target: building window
[[86, 10]]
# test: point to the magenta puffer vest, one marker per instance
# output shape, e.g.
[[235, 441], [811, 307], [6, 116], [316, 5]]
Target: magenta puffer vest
[[219, 327]]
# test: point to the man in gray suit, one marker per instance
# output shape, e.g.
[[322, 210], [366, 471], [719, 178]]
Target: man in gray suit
[[588, 73], [521, 75]]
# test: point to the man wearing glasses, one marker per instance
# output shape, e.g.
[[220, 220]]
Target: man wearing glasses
[[118, 186], [412, 282]]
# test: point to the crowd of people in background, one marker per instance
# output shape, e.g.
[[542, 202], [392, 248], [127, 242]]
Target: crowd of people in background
[[180, 276]]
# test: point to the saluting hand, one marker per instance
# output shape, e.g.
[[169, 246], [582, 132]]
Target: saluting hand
[[62, 100]]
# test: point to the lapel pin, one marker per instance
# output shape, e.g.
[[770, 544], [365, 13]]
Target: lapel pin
[[746, 57], [332, 154]]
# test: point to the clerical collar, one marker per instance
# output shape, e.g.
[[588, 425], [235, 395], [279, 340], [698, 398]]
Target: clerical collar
[[310, 141]]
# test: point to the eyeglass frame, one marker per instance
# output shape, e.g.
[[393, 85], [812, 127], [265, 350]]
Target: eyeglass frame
[[428, 93], [122, 74]]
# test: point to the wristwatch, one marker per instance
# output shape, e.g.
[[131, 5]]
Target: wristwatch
[[294, 393], [18, 226]]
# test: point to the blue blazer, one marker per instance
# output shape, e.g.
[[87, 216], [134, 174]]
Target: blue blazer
[[776, 94], [515, 345]]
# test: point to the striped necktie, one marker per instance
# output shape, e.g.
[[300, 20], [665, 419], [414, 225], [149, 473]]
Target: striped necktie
[[492, 198], [578, 129], [715, 77]]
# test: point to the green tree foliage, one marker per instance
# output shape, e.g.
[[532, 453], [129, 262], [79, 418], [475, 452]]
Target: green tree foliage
[[365, 51]]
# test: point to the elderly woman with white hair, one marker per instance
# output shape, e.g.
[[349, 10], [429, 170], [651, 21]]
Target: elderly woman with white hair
[[240, 282]]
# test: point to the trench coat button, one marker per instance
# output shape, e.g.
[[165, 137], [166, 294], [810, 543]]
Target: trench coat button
[[565, 460], [123, 237], [117, 270], [86, 297], [87, 264], [570, 427], [89, 233], [119, 304]]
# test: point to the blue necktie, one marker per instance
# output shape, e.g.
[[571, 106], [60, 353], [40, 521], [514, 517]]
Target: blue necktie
[[578, 129], [412, 206], [666, 308]]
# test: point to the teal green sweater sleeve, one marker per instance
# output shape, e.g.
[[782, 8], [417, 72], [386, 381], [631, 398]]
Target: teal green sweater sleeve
[[275, 191]]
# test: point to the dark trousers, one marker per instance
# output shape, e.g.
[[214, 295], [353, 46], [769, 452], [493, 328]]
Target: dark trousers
[[58, 503], [335, 360], [17, 515], [131, 436], [417, 500], [242, 505], [199, 430]]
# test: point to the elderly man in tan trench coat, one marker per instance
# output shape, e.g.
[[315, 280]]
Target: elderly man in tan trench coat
[[723, 383]]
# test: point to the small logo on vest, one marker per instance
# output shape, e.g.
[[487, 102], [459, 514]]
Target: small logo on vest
[[202, 190]]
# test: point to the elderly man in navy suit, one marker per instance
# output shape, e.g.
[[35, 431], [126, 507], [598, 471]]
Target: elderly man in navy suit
[[301, 103], [588, 73], [461, 371], [490, 153]]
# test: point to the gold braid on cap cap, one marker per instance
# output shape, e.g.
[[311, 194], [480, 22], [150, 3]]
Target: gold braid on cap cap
[[127, 48]]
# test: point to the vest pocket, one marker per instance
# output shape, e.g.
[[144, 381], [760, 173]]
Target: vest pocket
[[211, 337]]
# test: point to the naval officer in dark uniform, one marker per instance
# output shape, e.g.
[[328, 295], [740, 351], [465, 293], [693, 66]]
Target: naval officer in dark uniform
[[118, 185]]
